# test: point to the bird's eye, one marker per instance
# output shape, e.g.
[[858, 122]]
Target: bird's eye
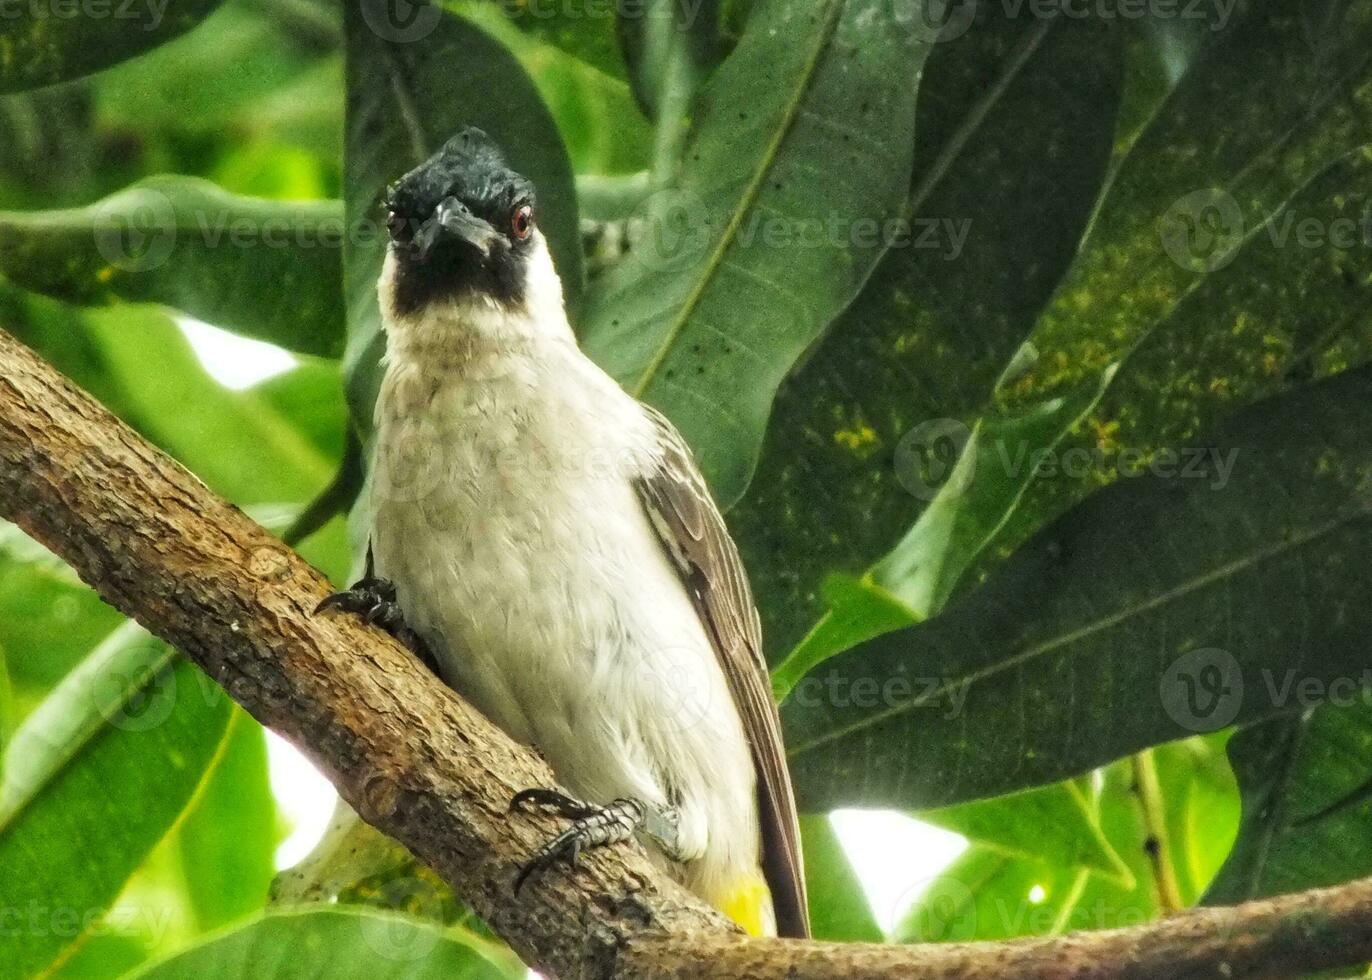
[[522, 221], [395, 224]]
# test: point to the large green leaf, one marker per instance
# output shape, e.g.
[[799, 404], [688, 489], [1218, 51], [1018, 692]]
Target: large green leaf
[[976, 478], [233, 440], [136, 361], [41, 44], [228, 838], [93, 779], [1170, 594], [584, 29], [1054, 824], [1227, 262], [1307, 807], [8, 711], [266, 269], [1015, 127], [992, 892], [670, 49], [405, 98], [49, 620], [341, 945], [583, 85], [800, 150]]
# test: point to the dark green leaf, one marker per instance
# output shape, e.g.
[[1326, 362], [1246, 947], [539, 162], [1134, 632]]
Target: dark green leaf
[[404, 100], [341, 945], [669, 48], [584, 29], [1014, 130], [976, 479], [800, 149], [266, 269], [49, 43], [228, 839], [1307, 806], [1171, 594], [1228, 260], [134, 717]]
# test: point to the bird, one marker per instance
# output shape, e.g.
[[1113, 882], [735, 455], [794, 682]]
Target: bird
[[548, 544]]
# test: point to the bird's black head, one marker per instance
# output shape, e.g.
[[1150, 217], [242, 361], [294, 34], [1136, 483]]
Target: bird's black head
[[461, 224]]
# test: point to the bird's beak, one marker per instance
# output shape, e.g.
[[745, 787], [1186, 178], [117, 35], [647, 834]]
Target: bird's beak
[[453, 220]]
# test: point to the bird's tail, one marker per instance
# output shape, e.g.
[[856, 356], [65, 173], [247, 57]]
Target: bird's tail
[[749, 903]]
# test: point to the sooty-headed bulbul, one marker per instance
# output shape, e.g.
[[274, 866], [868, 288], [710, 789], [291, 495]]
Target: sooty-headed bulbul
[[547, 540]]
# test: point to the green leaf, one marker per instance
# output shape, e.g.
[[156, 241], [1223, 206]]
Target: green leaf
[[310, 396], [8, 712], [993, 892], [228, 838], [133, 717], [800, 150], [341, 945], [165, 394], [669, 49], [584, 29], [572, 57], [266, 269], [109, 954], [1015, 123], [1171, 594], [48, 619], [45, 44], [1054, 824], [404, 101], [838, 907], [1224, 265], [858, 611], [975, 495], [984, 894], [978, 479], [1307, 806]]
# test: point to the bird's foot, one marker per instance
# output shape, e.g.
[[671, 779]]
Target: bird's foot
[[374, 600], [592, 826]]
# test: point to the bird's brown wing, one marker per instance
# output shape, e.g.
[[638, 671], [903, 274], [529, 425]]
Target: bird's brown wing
[[698, 543]]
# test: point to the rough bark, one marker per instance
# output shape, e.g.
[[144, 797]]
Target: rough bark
[[420, 764]]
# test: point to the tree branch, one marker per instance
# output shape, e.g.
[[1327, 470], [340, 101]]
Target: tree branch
[[420, 764]]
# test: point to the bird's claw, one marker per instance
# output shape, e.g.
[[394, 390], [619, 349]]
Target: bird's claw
[[552, 801], [592, 826], [374, 600]]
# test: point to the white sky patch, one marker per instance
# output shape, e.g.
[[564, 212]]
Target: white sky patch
[[894, 856], [235, 362], [305, 798]]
